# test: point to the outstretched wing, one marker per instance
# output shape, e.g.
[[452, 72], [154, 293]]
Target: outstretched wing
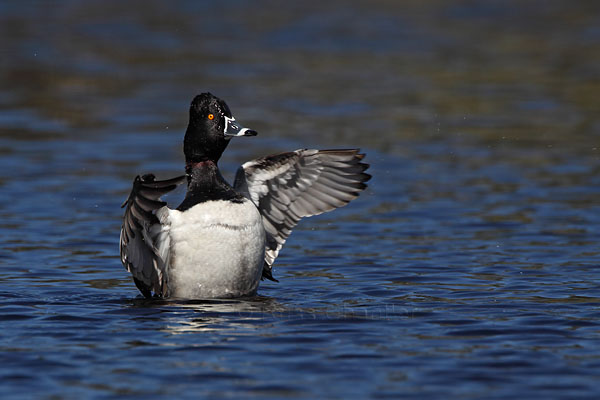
[[288, 186], [144, 244]]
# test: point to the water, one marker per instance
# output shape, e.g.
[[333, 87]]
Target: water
[[468, 269]]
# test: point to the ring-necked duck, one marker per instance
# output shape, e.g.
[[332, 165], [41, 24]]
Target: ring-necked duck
[[222, 239]]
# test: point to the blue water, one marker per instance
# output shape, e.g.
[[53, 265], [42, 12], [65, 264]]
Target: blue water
[[468, 269]]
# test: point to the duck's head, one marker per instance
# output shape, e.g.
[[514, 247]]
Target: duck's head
[[210, 129]]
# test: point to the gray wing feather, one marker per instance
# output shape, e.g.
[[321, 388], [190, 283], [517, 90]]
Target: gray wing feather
[[289, 186], [144, 242]]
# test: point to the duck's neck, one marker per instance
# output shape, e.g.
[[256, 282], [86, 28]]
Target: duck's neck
[[205, 183], [203, 175]]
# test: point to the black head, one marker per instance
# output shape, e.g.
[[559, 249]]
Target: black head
[[210, 129]]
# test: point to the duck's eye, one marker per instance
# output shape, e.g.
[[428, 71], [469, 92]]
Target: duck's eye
[[211, 116]]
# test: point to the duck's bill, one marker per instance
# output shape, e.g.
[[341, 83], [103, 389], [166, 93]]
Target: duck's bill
[[233, 128]]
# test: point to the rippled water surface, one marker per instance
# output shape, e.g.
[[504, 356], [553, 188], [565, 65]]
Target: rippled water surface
[[468, 269]]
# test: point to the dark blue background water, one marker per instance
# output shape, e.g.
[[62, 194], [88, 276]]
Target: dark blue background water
[[468, 269]]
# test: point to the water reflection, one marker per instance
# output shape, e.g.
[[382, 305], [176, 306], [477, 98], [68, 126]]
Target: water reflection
[[208, 316], [203, 316]]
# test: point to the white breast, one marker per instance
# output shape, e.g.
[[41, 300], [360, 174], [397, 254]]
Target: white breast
[[216, 250]]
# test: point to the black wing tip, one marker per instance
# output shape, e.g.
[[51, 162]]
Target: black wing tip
[[173, 182], [365, 166], [362, 180], [143, 288], [143, 200], [267, 273], [147, 177], [361, 176], [147, 184]]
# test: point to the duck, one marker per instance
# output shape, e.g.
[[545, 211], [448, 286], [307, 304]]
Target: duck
[[222, 240]]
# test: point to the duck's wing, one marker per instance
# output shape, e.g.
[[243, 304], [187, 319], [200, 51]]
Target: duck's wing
[[288, 186], [144, 242]]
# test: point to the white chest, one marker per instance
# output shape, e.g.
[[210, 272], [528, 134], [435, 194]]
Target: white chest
[[217, 250]]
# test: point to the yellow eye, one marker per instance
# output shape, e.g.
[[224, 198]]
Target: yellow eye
[[211, 116]]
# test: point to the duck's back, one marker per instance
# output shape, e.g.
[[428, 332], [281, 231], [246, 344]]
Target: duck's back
[[216, 250]]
